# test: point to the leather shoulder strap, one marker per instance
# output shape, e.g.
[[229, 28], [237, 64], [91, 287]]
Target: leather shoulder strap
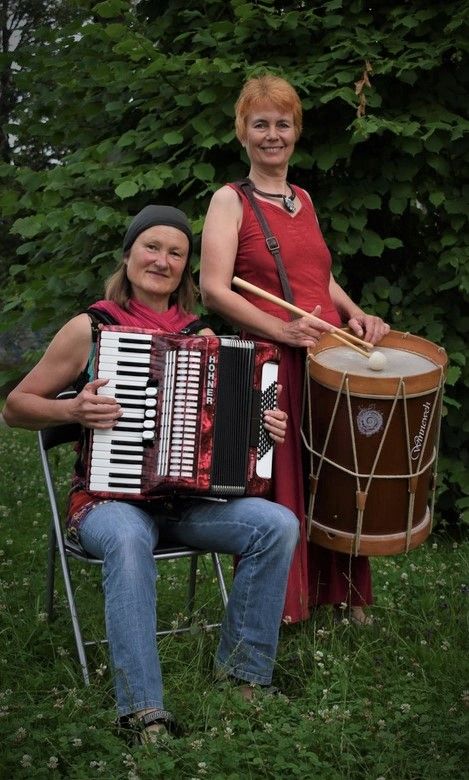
[[272, 243], [194, 327], [99, 317]]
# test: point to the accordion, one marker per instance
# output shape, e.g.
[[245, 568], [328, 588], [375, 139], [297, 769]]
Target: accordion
[[192, 415]]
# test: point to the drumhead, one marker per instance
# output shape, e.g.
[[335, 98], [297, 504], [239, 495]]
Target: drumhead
[[399, 363]]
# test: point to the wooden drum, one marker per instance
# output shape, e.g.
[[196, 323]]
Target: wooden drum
[[373, 444]]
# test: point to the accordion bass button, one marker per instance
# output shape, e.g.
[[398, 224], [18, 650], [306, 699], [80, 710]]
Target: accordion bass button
[[148, 424]]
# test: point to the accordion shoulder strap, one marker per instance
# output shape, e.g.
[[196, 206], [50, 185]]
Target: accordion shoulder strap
[[99, 317]]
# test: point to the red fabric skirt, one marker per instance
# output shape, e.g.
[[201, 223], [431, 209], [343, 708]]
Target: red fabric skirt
[[317, 576]]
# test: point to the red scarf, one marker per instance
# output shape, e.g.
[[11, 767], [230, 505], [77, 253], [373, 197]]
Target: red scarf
[[141, 316]]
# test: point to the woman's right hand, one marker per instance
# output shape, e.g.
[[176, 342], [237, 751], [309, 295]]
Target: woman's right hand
[[95, 411], [304, 332]]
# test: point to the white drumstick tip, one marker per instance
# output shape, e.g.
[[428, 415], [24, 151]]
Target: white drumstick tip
[[377, 361]]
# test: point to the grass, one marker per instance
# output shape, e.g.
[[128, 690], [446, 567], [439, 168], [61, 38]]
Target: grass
[[390, 702]]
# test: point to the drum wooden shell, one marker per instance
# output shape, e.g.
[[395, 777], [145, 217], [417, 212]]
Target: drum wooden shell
[[373, 443]]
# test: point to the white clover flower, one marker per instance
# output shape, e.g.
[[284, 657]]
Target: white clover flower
[[100, 766], [26, 760], [53, 762], [77, 742], [129, 761], [405, 708], [318, 655]]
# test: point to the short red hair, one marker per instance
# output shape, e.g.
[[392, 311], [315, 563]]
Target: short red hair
[[267, 89]]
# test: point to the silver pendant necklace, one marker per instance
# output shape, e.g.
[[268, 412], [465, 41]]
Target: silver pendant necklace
[[287, 200]]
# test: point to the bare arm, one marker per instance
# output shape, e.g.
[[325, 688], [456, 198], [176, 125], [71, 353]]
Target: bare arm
[[32, 404], [219, 248], [368, 326]]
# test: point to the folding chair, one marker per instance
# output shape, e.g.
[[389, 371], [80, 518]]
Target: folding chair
[[49, 438]]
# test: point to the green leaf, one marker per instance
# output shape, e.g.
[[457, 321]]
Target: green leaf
[[397, 205], [173, 138], [393, 243], [28, 226], [204, 171], [372, 201], [110, 8], [437, 198], [340, 223], [207, 96], [373, 245], [126, 189], [454, 372]]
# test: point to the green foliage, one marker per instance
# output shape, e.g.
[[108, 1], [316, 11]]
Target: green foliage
[[389, 701], [135, 104]]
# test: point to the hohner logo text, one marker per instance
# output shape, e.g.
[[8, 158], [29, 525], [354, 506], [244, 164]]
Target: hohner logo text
[[211, 368]]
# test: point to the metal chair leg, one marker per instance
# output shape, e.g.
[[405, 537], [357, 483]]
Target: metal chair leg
[[191, 587], [221, 580], [50, 581]]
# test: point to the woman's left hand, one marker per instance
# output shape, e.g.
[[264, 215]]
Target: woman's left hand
[[368, 327], [275, 421]]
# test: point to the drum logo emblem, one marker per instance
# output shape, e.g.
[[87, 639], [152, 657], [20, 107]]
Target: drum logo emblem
[[369, 421]]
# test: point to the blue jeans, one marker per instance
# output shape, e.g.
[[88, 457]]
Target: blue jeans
[[263, 534]]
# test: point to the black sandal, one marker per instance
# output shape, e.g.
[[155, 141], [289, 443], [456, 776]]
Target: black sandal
[[136, 726]]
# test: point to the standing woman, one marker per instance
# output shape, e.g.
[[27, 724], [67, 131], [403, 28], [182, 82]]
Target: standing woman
[[268, 124]]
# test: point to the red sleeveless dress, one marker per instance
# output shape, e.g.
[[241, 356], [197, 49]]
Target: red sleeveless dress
[[317, 576]]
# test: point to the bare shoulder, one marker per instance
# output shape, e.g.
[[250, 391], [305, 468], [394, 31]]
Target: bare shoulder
[[73, 338], [225, 209], [225, 196]]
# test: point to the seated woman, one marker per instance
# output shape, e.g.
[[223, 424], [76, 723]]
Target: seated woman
[[153, 289]]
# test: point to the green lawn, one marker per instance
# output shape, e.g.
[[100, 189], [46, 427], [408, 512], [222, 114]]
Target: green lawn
[[390, 701]]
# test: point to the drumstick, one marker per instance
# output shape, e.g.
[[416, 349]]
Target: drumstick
[[346, 338]]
